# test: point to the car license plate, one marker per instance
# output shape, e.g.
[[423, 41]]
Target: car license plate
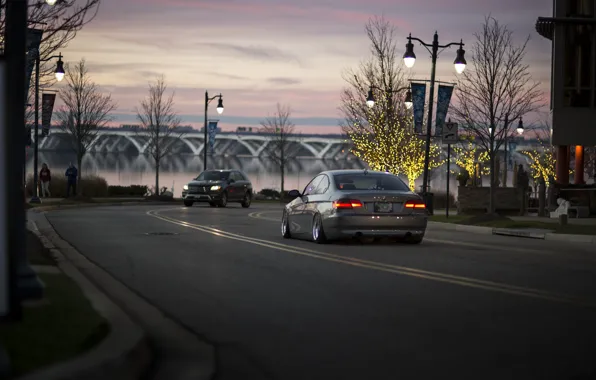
[[383, 207]]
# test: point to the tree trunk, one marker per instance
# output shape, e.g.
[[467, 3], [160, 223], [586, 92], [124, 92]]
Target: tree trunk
[[80, 169], [492, 205], [283, 175], [157, 177]]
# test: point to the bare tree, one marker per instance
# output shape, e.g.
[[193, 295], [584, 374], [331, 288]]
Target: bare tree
[[60, 24], [281, 128], [159, 124], [85, 109], [382, 71], [495, 91]]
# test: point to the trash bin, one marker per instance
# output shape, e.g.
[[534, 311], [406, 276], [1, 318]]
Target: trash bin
[[429, 201]]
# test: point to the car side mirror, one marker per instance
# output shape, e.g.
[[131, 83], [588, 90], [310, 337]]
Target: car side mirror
[[294, 194]]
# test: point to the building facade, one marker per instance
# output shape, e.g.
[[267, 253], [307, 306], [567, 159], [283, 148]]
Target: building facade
[[573, 81]]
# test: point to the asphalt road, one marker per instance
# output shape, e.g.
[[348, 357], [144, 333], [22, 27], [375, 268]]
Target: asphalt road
[[457, 306]]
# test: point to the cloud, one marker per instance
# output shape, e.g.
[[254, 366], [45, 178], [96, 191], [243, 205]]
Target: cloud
[[256, 52], [282, 80]]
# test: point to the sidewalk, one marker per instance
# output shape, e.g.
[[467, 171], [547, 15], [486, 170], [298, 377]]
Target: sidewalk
[[577, 230]]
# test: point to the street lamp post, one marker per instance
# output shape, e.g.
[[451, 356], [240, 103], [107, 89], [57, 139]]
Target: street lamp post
[[59, 76], [220, 109], [409, 60]]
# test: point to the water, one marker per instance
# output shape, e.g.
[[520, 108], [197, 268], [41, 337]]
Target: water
[[177, 170]]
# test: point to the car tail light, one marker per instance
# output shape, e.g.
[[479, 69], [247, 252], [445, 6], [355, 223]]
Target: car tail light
[[415, 204], [347, 204]]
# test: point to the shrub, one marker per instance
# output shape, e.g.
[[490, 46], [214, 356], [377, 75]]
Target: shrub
[[127, 191], [90, 186], [440, 201], [270, 193]]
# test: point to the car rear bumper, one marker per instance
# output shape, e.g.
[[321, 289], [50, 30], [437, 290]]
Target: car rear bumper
[[375, 225], [195, 197]]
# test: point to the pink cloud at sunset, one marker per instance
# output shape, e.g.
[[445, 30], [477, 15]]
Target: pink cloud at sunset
[[261, 52]]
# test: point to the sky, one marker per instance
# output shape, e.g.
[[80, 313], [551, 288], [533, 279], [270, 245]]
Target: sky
[[258, 53]]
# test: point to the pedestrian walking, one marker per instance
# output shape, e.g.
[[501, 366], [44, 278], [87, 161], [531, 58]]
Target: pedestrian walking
[[45, 176], [71, 180]]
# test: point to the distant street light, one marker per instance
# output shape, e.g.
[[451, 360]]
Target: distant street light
[[520, 126], [409, 61], [370, 99], [59, 76], [50, 2], [220, 109]]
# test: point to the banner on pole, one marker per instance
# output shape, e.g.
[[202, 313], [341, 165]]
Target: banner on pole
[[443, 100], [47, 107], [33, 42], [212, 131], [418, 100]]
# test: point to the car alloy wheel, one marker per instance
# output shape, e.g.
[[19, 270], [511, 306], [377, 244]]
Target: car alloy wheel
[[247, 200], [285, 226], [224, 200], [318, 235]]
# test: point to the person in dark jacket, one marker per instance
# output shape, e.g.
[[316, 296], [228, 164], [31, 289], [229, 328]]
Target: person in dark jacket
[[45, 176], [71, 180]]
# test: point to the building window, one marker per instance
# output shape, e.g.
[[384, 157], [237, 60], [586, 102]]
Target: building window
[[580, 66]]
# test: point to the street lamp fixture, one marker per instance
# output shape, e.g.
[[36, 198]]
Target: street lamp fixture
[[520, 127], [409, 60], [408, 100], [51, 2], [59, 68], [460, 60], [59, 76], [220, 109], [370, 98], [409, 56]]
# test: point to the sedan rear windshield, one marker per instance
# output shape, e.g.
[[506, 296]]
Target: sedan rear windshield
[[213, 175], [347, 182]]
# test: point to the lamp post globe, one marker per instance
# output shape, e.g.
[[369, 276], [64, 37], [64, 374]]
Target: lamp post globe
[[408, 100], [220, 106], [409, 56], [51, 2], [370, 99], [520, 126], [59, 69], [460, 60]]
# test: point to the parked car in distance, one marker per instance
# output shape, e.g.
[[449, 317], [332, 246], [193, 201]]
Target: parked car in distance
[[355, 203], [218, 188]]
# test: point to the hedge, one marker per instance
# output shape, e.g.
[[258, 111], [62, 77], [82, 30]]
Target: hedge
[[91, 186], [128, 191]]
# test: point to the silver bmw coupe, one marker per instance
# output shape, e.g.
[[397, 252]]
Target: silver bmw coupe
[[340, 204]]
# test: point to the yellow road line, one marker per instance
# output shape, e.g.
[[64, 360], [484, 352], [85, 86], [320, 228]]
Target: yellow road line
[[389, 268]]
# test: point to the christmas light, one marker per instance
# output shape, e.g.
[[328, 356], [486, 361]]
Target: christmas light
[[392, 145], [468, 156]]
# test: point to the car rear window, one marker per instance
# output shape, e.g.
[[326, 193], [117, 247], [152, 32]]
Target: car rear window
[[213, 175], [347, 182]]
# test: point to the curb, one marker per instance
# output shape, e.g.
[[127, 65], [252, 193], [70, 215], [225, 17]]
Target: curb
[[179, 352], [41, 209], [568, 238], [124, 354]]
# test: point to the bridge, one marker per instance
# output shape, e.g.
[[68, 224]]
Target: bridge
[[227, 144]]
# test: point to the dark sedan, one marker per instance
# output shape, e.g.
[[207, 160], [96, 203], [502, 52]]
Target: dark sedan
[[355, 203], [218, 187]]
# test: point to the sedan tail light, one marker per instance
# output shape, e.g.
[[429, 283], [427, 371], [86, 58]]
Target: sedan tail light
[[415, 204], [347, 204]]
